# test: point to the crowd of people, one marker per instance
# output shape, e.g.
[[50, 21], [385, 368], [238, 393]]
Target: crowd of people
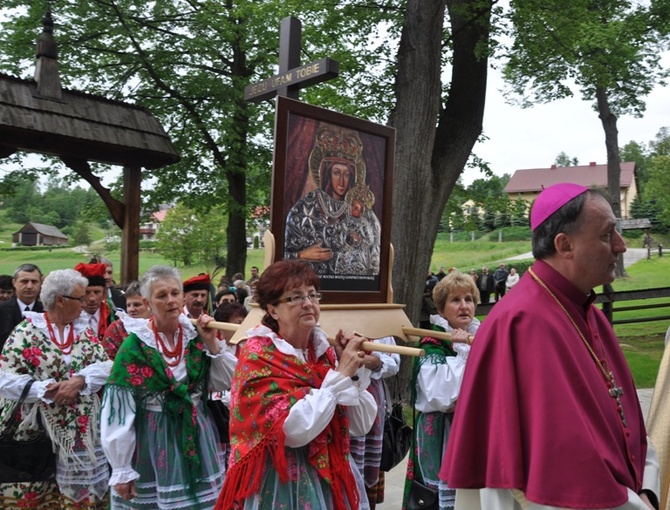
[[149, 407]]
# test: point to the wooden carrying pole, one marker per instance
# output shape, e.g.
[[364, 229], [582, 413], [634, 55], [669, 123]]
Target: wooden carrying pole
[[370, 320], [367, 345]]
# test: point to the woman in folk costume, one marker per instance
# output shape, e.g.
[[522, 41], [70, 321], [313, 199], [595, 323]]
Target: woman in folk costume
[[436, 381], [294, 401], [156, 433], [137, 308], [367, 450], [69, 367]]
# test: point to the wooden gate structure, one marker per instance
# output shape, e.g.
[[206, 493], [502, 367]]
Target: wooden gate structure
[[40, 116]]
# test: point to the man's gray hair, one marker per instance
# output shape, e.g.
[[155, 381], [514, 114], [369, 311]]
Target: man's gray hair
[[28, 268], [157, 273], [60, 283]]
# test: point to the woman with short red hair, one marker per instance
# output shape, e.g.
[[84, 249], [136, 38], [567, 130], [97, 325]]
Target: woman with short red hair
[[294, 401]]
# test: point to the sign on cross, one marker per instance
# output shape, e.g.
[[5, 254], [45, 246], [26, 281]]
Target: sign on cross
[[292, 76]]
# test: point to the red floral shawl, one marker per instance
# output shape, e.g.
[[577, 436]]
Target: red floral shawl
[[265, 386]]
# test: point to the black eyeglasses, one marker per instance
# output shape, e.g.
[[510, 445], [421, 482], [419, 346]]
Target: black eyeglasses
[[80, 299], [314, 297]]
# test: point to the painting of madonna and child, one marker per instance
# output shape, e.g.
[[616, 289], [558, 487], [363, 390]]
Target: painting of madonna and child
[[331, 199]]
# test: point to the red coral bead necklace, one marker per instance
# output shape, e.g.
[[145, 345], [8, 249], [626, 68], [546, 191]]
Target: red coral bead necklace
[[174, 354], [66, 346]]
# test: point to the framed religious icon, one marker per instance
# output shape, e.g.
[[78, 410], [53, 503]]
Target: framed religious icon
[[331, 199]]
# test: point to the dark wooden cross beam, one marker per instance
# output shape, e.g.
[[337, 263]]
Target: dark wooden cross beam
[[292, 76]]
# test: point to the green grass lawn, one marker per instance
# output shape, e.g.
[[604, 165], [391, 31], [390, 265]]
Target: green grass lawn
[[63, 258], [643, 342], [467, 255]]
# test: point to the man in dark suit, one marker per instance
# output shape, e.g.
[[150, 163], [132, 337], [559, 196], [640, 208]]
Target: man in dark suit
[[486, 285], [27, 282]]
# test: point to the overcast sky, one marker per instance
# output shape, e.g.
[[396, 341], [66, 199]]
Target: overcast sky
[[532, 138]]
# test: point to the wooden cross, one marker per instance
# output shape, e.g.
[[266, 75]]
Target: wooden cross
[[292, 76]]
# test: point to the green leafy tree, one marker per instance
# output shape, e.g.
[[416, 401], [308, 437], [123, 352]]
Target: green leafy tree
[[19, 197], [661, 145], [81, 233], [504, 216], [489, 220], [644, 208], [655, 202], [187, 236], [188, 62], [176, 236], [490, 195], [519, 213], [564, 160], [609, 50], [211, 245], [658, 185], [59, 204], [453, 217], [645, 204], [639, 154]]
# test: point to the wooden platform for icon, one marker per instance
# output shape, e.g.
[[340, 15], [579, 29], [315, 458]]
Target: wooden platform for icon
[[372, 320]]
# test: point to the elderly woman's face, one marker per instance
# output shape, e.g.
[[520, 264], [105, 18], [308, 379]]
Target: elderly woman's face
[[167, 299], [137, 307], [297, 311], [72, 304], [459, 309]]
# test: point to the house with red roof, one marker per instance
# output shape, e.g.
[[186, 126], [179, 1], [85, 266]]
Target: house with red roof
[[527, 184], [148, 230]]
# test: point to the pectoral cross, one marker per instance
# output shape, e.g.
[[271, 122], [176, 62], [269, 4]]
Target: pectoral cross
[[616, 392]]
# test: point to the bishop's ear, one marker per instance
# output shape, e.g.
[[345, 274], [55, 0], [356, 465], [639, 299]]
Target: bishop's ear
[[563, 244]]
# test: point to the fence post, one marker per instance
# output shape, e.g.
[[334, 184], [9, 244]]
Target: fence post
[[648, 252], [660, 250], [608, 306]]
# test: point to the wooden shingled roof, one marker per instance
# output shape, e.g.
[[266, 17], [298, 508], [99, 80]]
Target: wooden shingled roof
[[80, 126], [40, 228], [535, 179], [38, 116]]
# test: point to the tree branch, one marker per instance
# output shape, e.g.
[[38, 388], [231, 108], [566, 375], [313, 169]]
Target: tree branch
[[83, 170]]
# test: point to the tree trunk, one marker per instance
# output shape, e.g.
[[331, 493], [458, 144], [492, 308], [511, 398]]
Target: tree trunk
[[609, 121], [429, 160], [236, 171]]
